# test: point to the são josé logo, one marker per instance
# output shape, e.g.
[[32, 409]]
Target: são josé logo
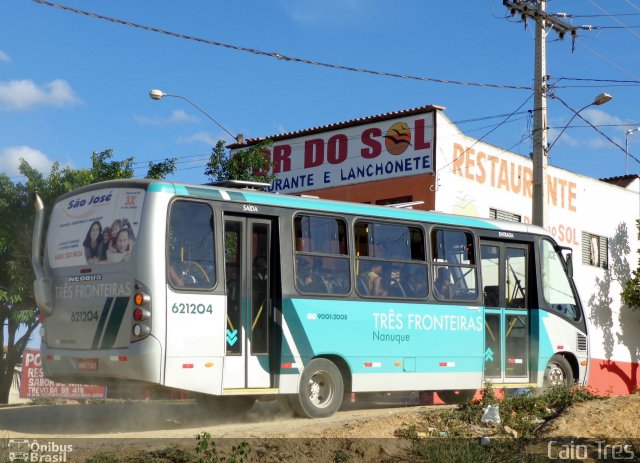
[[398, 138]]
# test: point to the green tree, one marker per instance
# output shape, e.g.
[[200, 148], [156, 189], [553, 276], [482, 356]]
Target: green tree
[[17, 304], [251, 164], [631, 288]]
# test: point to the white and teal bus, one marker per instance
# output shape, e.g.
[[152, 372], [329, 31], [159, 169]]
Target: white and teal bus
[[235, 294]]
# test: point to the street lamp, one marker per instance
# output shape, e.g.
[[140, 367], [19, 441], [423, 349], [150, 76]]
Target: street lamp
[[599, 100], [540, 152], [156, 94], [626, 137]]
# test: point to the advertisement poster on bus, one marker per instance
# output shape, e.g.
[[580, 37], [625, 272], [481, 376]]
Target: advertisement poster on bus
[[33, 383], [95, 227]]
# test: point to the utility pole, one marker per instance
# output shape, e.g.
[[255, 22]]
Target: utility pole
[[540, 158], [536, 10]]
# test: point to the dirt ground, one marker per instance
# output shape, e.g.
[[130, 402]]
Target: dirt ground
[[358, 433], [610, 417]]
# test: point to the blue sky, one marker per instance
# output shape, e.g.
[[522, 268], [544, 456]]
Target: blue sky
[[71, 84]]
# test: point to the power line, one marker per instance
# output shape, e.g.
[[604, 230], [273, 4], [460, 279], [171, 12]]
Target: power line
[[608, 15], [486, 134], [597, 28], [484, 118], [615, 19], [608, 61], [277, 55]]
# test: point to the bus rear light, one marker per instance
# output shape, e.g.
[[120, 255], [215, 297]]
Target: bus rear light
[[141, 298], [122, 358], [141, 330], [49, 357], [141, 314]]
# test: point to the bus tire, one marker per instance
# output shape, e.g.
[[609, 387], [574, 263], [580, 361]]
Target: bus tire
[[456, 397], [558, 372], [321, 390]]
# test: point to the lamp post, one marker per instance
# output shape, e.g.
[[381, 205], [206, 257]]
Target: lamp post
[[540, 167], [626, 138], [156, 94], [599, 100]]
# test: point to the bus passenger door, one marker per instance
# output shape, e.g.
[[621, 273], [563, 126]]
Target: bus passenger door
[[506, 322], [247, 250]]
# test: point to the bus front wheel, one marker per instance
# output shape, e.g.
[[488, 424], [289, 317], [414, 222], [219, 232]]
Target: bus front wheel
[[321, 390], [557, 373]]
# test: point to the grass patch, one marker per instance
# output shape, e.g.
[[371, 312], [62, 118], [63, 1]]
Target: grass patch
[[469, 439]]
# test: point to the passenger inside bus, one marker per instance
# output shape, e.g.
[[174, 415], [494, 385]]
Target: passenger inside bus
[[308, 279], [417, 283], [375, 280], [442, 285], [179, 274]]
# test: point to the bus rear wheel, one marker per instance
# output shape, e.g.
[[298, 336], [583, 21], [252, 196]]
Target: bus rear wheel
[[456, 397], [321, 390], [557, 373]]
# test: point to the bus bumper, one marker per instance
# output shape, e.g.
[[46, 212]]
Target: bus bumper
[[141, 362]]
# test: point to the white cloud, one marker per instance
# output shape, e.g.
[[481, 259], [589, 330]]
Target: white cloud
[[598, 117], [203, 137], [10, 159], [179, 115], [176, 117], [25, 94], [4, 57]]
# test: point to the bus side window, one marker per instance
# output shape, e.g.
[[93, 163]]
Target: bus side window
[[321, 263], [454, 268], [190, 244], [391, 260]]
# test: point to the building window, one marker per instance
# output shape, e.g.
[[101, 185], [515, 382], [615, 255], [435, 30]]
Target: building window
[[504, 215], [595, 250]]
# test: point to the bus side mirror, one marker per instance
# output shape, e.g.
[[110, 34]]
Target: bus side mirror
[[568, 259], [570, 265]]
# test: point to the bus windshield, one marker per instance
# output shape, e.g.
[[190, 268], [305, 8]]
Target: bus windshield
[[556, 287], [94, 227]]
